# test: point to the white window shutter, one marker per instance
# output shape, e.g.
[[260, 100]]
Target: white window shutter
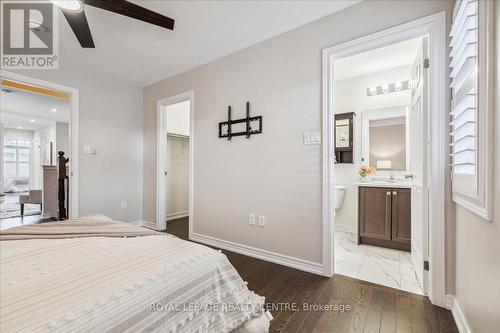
[[464, 115], [472, 106]]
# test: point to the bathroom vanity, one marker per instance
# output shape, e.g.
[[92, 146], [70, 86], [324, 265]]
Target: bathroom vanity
[[384, 215]]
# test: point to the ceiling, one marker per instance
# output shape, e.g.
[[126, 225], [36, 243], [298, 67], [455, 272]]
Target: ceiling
[[141, 54], [381, 59], [29, 111]]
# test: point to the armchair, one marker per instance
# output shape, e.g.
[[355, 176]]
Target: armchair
[[34, 197]]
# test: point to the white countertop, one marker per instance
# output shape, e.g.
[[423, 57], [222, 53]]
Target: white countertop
[[384, 184]]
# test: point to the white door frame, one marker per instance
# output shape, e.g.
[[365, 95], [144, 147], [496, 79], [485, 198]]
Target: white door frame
[[74, 126], [435, 27], [161, 161]]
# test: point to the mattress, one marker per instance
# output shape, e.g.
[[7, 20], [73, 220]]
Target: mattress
[[127, 281]]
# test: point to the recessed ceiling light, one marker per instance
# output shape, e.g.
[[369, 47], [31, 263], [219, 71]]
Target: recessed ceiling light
[[54, 110], [32, 120]]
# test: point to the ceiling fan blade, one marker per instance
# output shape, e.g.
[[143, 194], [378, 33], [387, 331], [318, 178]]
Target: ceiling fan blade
[[132, 10], [78, 23]]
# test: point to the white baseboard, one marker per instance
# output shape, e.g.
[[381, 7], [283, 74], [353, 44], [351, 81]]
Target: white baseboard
[[346, 228], [451, 303], [281, 259], [138, 223], [448, 301], [177, 215], [145, 224]]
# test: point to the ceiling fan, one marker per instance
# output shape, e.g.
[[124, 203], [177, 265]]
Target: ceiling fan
[[74, 13]]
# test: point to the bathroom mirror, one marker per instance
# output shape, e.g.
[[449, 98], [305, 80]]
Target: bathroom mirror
[[385, 139]]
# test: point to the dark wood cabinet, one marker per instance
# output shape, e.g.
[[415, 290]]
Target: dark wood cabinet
[[344, 137], [384, 217]]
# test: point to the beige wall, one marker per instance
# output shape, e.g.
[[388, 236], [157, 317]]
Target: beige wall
[[110, 121], [273, 173], [477, 262]]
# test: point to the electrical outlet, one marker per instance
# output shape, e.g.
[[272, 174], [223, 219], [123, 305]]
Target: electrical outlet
[[123, 205], [251, 219], [262, 221]]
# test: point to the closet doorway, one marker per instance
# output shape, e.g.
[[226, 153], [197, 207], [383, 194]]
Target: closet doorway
[[174, 144]]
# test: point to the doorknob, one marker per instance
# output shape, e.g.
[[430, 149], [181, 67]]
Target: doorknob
[[165, 173]]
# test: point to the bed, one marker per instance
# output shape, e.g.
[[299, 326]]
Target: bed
[[97, 275]]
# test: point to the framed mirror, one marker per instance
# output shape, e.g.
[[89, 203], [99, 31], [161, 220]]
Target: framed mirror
[[385, 139]]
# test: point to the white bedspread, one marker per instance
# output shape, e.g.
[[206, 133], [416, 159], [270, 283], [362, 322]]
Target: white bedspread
[[138, 284]]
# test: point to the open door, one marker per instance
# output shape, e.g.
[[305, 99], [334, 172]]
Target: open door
[[418, 120]]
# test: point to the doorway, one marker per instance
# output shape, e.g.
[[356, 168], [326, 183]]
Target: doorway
[[378, 131], [428, 200], [39, 118], [174, 161]]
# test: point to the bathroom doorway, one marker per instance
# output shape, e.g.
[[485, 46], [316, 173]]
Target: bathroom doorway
[[377, 124], [373, 224]]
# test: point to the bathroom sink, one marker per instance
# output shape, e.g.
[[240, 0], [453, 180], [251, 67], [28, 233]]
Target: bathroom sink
[[385, 183]]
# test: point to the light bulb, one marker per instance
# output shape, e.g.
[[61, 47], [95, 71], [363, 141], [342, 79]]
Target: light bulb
[[71, 5]]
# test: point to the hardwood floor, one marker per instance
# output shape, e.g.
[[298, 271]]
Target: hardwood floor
[[372, 307]]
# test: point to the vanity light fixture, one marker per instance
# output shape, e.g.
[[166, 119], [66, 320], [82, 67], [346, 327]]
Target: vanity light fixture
[[384, 164], [388, 88]]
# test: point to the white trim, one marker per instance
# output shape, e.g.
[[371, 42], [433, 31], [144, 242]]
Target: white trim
[[458, 315], [434, 26], [481, 202], [177, 215], [145, 224], [352, 229], [277, 258], [161, 163], [448, 301], [138, 223], [74, 125]]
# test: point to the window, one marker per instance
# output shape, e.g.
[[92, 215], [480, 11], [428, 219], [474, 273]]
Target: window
[[471, 107], [16, 157]]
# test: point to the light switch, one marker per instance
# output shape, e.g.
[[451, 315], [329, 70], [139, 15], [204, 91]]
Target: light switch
[[87, 149], [312, 138]]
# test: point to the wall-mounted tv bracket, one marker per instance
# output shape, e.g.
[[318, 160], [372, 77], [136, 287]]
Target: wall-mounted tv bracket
[[225, 128]]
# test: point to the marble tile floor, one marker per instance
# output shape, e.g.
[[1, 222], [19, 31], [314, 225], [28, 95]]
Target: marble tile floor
[[391, 268]]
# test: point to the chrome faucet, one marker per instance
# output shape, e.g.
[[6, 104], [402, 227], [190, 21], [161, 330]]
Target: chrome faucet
[[391, 178]]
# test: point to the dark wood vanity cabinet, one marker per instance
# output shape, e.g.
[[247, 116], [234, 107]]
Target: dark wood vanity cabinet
[[384, 217]]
